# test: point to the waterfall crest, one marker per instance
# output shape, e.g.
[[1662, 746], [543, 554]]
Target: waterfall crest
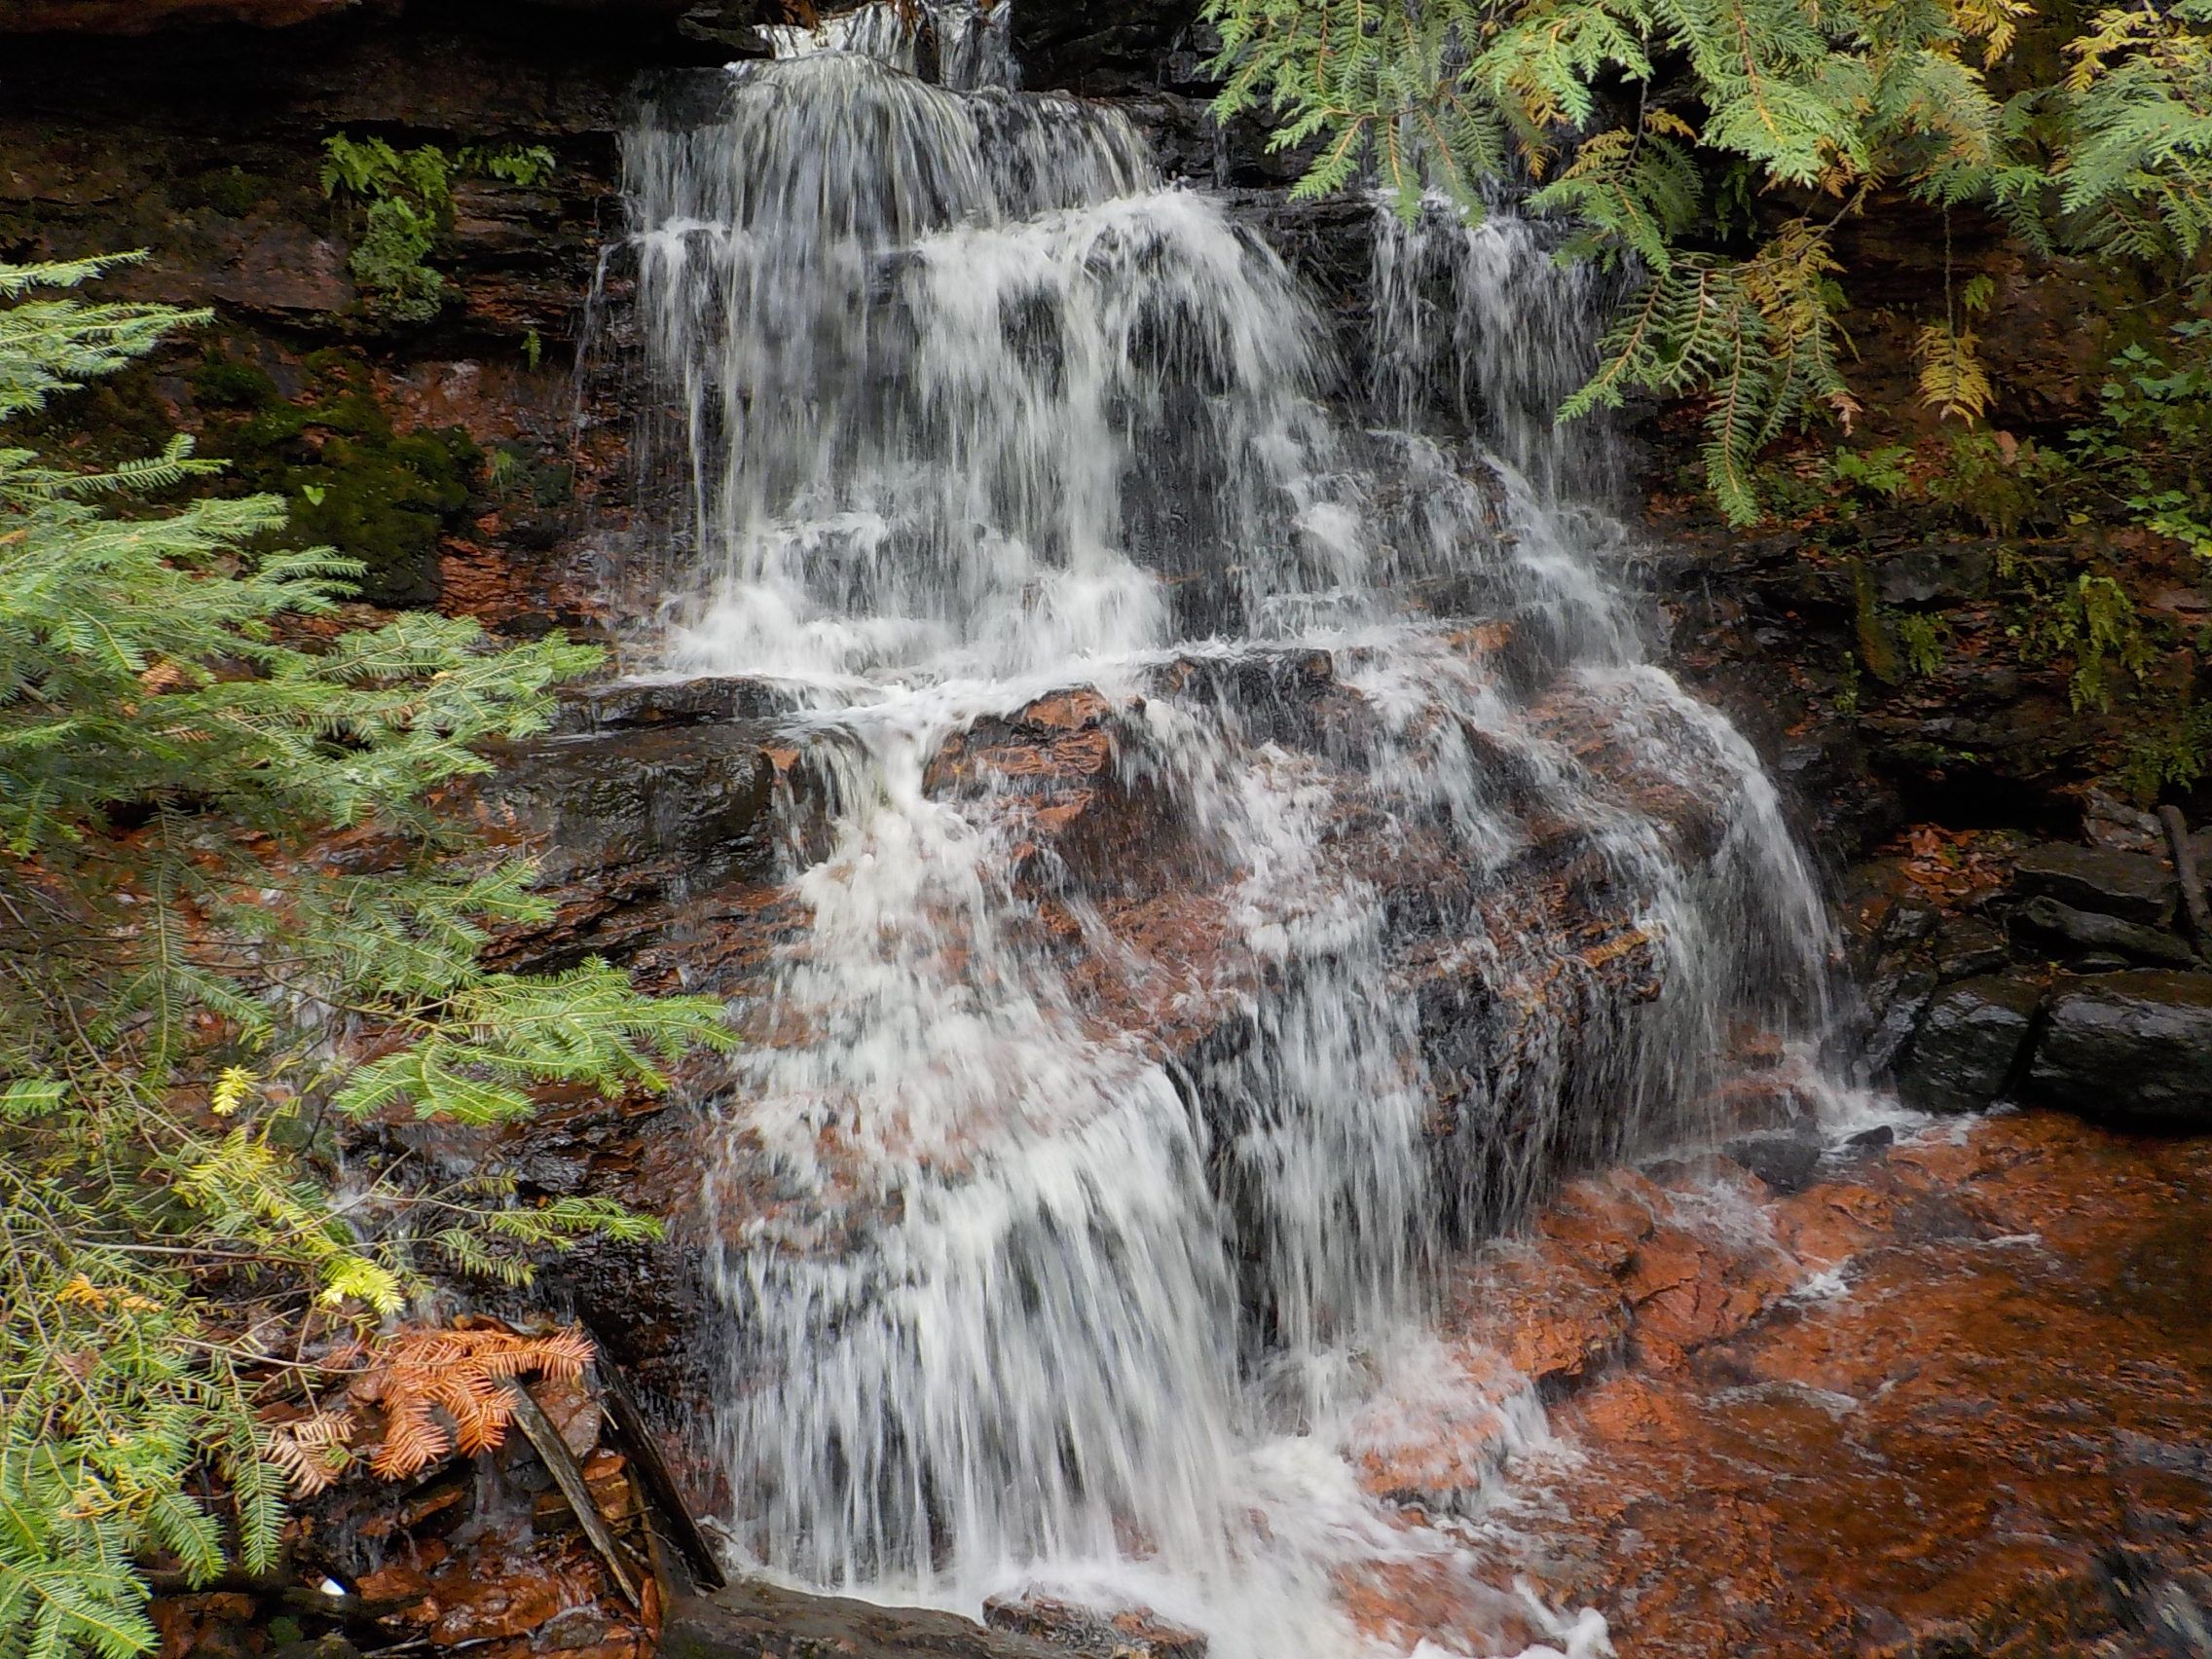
[[1077, 1192]]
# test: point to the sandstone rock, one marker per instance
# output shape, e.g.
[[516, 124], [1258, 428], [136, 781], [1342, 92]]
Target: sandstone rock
[[2134, 1045], [2045, 923], [1968, 1043], [2135, 887]]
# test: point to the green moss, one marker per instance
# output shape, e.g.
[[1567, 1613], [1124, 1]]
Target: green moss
[[226, 383], [1877, 646], [356, 484], [231, 192]]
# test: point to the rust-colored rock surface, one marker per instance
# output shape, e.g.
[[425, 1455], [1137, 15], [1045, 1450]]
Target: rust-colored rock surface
[[1955, 1399]]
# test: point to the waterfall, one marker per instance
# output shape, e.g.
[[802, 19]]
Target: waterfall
[[1242, 845]]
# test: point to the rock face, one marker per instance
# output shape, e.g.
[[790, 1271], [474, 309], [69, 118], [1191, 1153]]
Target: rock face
[[2136, 1046], [1970, 1044], [1099, 50]]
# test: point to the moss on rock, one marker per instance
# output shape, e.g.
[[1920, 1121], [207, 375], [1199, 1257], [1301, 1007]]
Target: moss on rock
[[355, 481]]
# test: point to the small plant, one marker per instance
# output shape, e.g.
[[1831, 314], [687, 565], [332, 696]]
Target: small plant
[[406, 198], [2147, 453], [2175, 752], [533, 349], [1921, 637], [1999, 481], [2091, 619], [514, 163], [1882, 472]]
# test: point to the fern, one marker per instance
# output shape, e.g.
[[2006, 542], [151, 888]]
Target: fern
[[1619, 110]]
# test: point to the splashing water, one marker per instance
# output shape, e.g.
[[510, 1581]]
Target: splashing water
[[1244, 847]]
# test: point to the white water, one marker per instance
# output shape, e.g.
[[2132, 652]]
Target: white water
[[1024, 1288]]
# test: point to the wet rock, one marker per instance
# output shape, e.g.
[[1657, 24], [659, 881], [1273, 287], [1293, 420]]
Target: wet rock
[[1925, 575], [2045, 923], [1137, 1632], [2135, 1046], [1785, 1162], [1875, 1140], [1967, 946], [752, 1620], [1899, 1000], [695, 794], [2135, 887], [1968, 1043], [625, 705]]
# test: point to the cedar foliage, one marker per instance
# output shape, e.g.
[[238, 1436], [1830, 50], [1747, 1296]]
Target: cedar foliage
[[189, 980], [1633, 117]]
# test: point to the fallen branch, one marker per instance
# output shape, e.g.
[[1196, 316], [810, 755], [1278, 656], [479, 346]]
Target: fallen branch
[[553, 1451], [2191, 878]]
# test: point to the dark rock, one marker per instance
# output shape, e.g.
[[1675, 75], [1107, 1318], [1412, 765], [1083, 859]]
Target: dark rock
[[1873, 1139], [1785, 1162], [2133, 886], [2111, 822], [1951, 575], [697, 794], [752, 1620], [1134, 1633], [1898, 1001], [2135, 1046], [1968, 1043], [1967, 946], [625, 705], [2046, 922], [1085, 47]]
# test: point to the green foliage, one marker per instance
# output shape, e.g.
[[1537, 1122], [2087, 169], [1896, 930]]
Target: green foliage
[[529, 165], [2138, 174], [193, 986], [2174, 752], [1999, 482], [1624, 111], [2149, 451], [2089, 619], [1882, 471], [1921, 637], [406, 198]]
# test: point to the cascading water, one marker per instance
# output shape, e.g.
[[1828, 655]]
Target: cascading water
[[1061, 1245]]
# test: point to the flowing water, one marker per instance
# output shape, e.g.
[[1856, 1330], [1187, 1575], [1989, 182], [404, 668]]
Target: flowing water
[[1058, 1252]]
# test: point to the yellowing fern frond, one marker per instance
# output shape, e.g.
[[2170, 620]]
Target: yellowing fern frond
[[1952, 377]]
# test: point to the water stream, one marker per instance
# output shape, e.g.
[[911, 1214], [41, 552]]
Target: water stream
[[1098, 1150]]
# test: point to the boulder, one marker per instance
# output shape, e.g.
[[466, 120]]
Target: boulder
[[1968, 1043], [2136, 887], [2045, 924], [1786, 1161], [753, 1620], [2135, 1046]]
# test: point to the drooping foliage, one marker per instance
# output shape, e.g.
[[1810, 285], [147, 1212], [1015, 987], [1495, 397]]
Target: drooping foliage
[[1645, 120], [231, 921]]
